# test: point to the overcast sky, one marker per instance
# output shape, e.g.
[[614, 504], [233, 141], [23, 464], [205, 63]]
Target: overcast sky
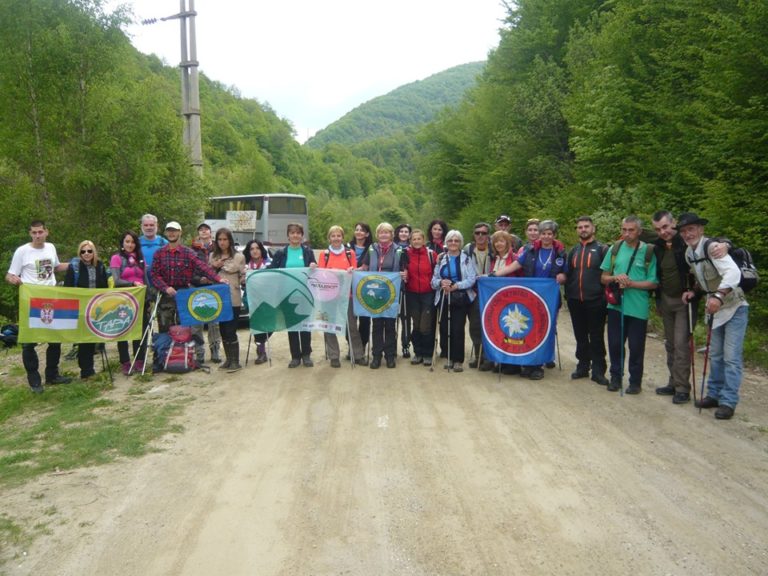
[[314, 61]]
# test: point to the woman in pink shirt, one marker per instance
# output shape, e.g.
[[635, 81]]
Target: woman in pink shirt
[[127, 267]]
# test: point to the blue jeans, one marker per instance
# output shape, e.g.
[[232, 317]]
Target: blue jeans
[[725, 357]]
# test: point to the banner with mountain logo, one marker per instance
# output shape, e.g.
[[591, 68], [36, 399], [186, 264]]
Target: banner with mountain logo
[[204, 304], [298, 299], [57, 314], [518, 318], [376, 294]]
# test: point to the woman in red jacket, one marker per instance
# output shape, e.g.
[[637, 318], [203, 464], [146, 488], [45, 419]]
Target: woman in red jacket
[[419, 297]]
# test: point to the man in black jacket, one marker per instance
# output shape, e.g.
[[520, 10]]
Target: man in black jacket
[[586, 302]]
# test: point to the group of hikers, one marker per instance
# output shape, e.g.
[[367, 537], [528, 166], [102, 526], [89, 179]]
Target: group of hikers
[[603, 285]]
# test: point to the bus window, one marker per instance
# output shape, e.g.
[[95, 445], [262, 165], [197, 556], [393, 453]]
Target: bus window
[[218, 208], [286, 205]]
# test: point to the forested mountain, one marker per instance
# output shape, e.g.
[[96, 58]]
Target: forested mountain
[[406, 107]]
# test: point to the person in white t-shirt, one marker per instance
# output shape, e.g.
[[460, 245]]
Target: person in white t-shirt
[[35, 263]]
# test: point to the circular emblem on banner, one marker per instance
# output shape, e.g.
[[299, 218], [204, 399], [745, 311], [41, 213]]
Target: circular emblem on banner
[[112, 314], [205, 305], [516, 320], [324, 285], [376, 293]]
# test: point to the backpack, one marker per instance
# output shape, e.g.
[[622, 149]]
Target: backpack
[[617, 246], [180, 358], [347, 252], [743, 259], [9, 335]]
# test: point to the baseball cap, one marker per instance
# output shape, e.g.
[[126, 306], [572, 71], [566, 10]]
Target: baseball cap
[[173, 225]]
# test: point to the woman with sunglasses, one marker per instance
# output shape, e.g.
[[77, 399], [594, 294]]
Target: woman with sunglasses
[[454, 279], [229, 264], [127, 268], [86, 272]]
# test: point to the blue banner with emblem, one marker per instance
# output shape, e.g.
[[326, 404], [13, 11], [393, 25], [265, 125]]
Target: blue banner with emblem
[[204, 304], [519, 319], [376, 294]]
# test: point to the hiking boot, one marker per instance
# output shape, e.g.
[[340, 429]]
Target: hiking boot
[[681, 398], [391, 363], [706, 402], [335, 363], [599, 379], [667, 390], [536, 373], [634, 389], [361, 361], [614, 384], [511, 369], [37, 388], [473, 363], [580, 373], [125, 368], [406, 353], [87, 375], [58, 379], [215, 358], [724, 412], [307, 361], [485, 366], [550, 365], [35, 384], [525, 371], [294, 363], [375, 362], [232, 352], [417, 360]]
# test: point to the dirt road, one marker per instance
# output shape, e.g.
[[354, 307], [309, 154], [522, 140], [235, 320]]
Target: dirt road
[[386, 472]]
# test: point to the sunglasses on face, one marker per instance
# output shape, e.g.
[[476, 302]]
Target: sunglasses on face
[[86, 251], [481, 233]]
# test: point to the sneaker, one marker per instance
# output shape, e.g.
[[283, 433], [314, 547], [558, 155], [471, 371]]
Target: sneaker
[[260, 359], [59, 379], [428, 362], [125, 368], [294, 363], [307, 361], [599, 379], [138, 367], [634, 389], [724, 412], [417, 360], [335, 363], [681, 398], [536, 373], [706, 402], [458, 367], [667, 390]]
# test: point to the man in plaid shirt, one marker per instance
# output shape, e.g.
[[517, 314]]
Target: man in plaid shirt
[[172, 269]]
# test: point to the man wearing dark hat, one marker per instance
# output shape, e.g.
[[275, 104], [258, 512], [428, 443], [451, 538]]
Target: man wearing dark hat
[[675, 277], [173, 268], [203, 246], [503, 222], [727, 314]]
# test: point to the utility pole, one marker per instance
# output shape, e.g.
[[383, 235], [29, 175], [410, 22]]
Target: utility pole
[[190, 85]]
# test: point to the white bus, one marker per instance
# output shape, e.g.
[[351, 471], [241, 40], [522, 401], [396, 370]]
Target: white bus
[[260, 216]]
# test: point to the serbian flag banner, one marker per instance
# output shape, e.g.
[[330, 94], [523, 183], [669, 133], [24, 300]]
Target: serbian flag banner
[[204, 304], [376, 294], [298, 299], [518, 319], [56, 314]]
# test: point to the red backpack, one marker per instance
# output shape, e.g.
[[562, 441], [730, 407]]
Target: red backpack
[[180, 358]]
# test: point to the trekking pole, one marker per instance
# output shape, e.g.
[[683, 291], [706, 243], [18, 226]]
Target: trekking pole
[[710, 321], [692, 349], [557, 344], [351, 348], [406, 324], [248, 350], [621, 352], [437, 331], [145, 338], [449, 366]]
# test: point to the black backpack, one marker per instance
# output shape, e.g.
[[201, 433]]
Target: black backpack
[[743, 259]]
